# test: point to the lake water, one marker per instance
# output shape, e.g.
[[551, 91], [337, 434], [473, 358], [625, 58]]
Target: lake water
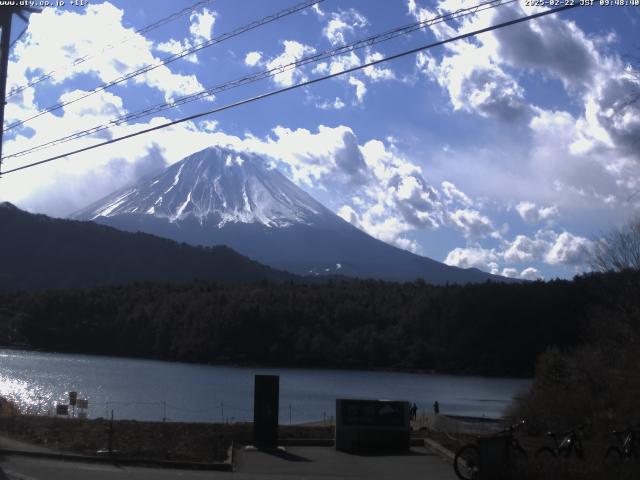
[[151, 390]]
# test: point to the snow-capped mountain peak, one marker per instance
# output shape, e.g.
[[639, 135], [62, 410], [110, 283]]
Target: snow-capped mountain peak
[[215, 184], [222, 197]]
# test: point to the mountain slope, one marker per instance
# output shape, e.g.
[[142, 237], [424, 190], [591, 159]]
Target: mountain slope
[[222, 197], [215, 184], [42, 252]]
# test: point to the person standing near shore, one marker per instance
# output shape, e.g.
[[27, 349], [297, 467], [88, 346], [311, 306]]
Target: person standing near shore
[[436, 407]]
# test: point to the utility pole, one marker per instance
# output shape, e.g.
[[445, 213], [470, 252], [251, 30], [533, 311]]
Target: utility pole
[[6, 15]]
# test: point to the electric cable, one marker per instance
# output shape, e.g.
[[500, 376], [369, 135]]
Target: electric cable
[[299, 85], [341, 50], [79, 60], [172, 58]]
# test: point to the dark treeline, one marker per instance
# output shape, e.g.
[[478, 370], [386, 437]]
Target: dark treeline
[[596, 382], [487, 328], [47, 252]]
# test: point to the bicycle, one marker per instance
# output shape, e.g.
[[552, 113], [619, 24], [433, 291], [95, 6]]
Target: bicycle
[[466, 463], [628, 439], [565, 448]]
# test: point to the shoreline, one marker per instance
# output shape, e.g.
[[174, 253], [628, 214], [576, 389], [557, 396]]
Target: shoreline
[[273, 366]]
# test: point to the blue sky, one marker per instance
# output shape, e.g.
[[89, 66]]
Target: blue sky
[[510, 152]]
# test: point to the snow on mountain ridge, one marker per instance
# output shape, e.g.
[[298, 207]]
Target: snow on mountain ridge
[[234, 187], [222, 197]]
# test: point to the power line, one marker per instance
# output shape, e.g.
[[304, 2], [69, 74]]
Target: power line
[[372, 40], [299, 85], [79, 60], [341, 50], [172, 17], [6, 17], [172, 58]]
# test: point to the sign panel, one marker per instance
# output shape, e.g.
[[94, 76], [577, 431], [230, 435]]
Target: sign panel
[[62, 409], [373, 413], [265, 410], [372, 425], [82, 403], [73, 396]]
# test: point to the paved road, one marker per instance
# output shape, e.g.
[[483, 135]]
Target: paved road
[[296, 463], [327, 463], [25, 468]]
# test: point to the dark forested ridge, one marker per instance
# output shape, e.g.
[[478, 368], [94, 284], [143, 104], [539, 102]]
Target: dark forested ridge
[[43, 252], [484, 328]]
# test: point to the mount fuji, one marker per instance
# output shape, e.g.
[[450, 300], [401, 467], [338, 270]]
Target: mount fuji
[[220, 196]]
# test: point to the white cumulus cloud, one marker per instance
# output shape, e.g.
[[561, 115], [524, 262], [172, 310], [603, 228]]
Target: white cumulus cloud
[[201, 30], [474, 257], [293, 51], [453, 194], [472, 223], [510, 273], [533, 214], [361, 88], [343, 23], [569, 249], [376, 73], [86, 32], [202, 25], [253, 58], [526, 250], [531, 274]]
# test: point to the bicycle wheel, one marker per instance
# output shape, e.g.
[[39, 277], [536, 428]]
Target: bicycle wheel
[[518, 453], [466, 462], [517, 458], [545, 454], [578, 449], [613, 456]]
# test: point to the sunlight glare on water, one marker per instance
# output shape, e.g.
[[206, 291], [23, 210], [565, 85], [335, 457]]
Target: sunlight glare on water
[[152, 390], [30, 398]]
